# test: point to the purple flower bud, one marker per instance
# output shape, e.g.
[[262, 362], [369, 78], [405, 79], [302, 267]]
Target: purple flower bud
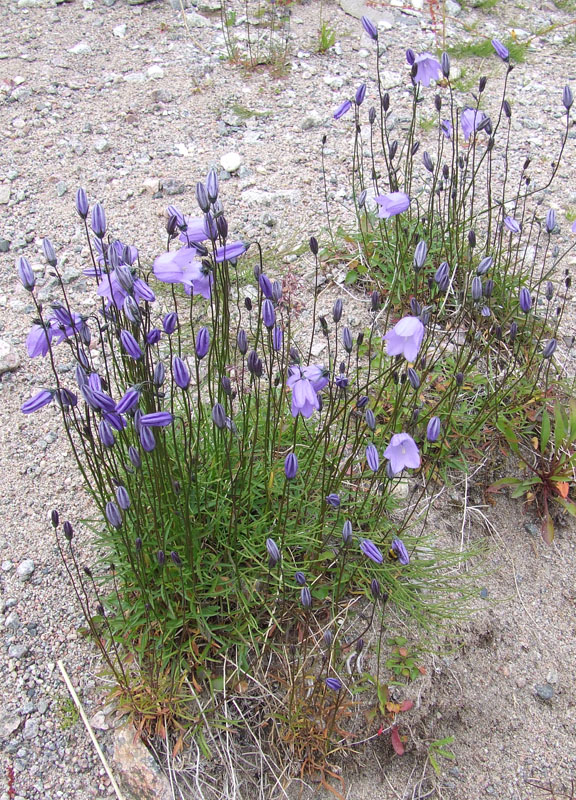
[[342, 381], [254, 364], [476, 288], [399, 548], [375, 301], [219, 415], [347, 532], [501, 51], [130, 345], [360, 94], [82, 203], [549, 349], [313, 244], [103, 401], [161, 557], [550, 220], [105, 433], [157, 419], [420, 255], [410, 56], [328, 637], [484, 265], [170, 322], [202, 342], [413, 378], [265, 285], [125, 277], [567, 98], [153, 336], [134, 457], [372, 458], [276, 291], [25, 273], [242, 342], [488, 288], [49, 252], [360, 645], [442, 276], [370, 550], [123, 498], [113, 514], [131, 310], [99, 221], [333, 500], [459, 377], [375, 588], [268, 314], [342, 109], [433, 429], [300, 578], [549, 290], [337, 310], [428, 163], [273, 553], [370, 28], [445, 64], [54, 518], [68, 531], [202, 197], [128, 402], [43, 398], [370, 419], [525, 300], [291, 466], [180, 373], [147, 439], [277, 339], [333, 683], [513, 331], [175, 558], [306, 597], [415, 307], [347, 340], [512, 224], [212, 185]]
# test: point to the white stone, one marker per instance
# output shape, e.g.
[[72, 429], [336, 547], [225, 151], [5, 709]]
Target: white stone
[[4, 194], [120, 30], [390, 79], [194, 20], [25, 569], [9, 360], [155, 71], [231, 162], [80, 49]]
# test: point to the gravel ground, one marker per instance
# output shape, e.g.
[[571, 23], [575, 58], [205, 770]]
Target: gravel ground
[[135, 103]]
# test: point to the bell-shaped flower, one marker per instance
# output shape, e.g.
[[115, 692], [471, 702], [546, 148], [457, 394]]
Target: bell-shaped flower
[[402, 452], [405, 338], [392, 204], [427, 69]]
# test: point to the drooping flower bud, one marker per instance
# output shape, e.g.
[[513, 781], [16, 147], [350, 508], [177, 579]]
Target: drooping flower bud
[[212, 185], [476, 288], [180, 372], [484, 265], [25, 273], [202, 342], [202, 197], [98, 221], [300, 578], [219, 415], [347, 532], [291, 466], [445, 64], [370, 28], [242, 341], [433, 429], [123, 498], [82, 206], [413, 378], [420, 254], [525, 300], [268, 314], [113, 514], [549, 349], [68, 531], [567, 98], [313, 245], [49, 252], [347, 339], [427, 161], [274, 556]]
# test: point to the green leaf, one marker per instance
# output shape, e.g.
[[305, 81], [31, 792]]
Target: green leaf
[[548, 529], [506, 429], [572, 421], [352, 276], [545, 430], [567, 505], [560, 426]]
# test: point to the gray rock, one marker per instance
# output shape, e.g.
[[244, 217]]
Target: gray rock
[[7, 566], [194, 20], [17, 651], [61, 188], [452, 8], [155, 72], [25, 569], [9, 360], [311, 120], [172, 186], [101, 145], [82, 48], [4, 245], [162, 96], [544, 691], [4, 194], [30, 728], [8, 725], [12, 621]]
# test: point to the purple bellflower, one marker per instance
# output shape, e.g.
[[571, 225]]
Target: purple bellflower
[[305, 384], [470, 120], [370, 28], [25, 273], [333, 684], [180, 372], [333, 500], [130, 345], [157, 419], [277, 339], [500, 50], [342, 109], [427, 69], [512, 224], [405, 338], [183, 266], [43, 398], [370, 550], [392, 204], [291, 466], [433, 429], [399, 548], [230, 251], [525, 300], [446, 128], [402, 452], [202, 342]]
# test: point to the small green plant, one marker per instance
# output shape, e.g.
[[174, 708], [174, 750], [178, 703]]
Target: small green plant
[[440, 749], [326, 38], [549, 461], [403, 661], [67, 712]]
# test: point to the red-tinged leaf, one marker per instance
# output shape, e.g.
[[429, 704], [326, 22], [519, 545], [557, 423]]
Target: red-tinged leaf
[[406, 705], [421, 670], [548, 529], [403, 651], [396, 741], [562, 488]]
